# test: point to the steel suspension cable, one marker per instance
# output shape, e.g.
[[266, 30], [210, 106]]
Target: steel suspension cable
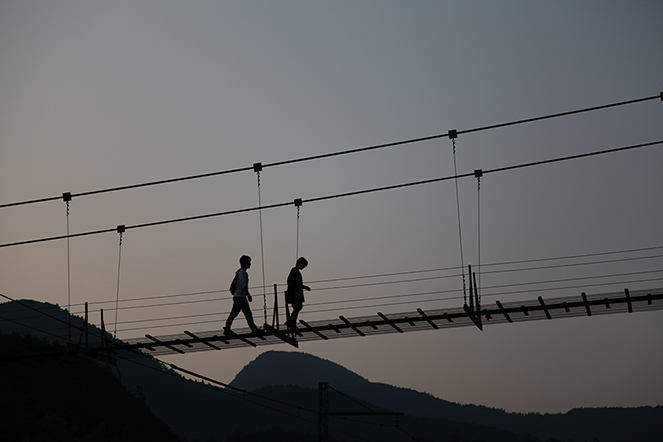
[[67, 200], [120, 230], [257, 167], [332, 154], [298, 204], [336, 196], [453, 135], [397, 281], [478, 173]]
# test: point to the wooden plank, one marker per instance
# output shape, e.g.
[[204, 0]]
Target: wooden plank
[[230, 333], [506, 315], [349, 324], [201, 340], [388, 321], [281, 336], [545, 308], [311, 329], [430, 321], [584, 299], [165, 345]]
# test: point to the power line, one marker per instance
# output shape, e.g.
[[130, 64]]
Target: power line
[[332, 154], [335, 196]]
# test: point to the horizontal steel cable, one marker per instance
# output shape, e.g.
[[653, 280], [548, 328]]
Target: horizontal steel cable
[[335, 196], [332, 154]]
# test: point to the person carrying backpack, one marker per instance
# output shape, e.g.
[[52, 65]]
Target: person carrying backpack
[[241, 296]]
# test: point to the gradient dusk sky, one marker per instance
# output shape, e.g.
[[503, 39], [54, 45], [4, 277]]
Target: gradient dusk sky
[[101, 94]]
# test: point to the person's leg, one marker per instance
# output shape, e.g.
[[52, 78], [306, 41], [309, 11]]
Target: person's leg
[[233, 313], [246, 309], [296, 308]]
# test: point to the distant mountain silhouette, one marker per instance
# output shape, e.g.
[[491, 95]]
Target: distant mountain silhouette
[[284, 400], [580, 424], [304, 370], [293, 368], [43, 320]]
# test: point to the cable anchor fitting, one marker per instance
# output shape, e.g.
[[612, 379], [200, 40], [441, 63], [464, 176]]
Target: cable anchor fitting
[[453, 134], [66, 197], [478, 173]]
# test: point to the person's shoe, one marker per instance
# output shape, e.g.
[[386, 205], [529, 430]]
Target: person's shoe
[[226, 331]]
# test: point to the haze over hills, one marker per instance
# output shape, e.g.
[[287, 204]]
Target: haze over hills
[[605, 424], [293, 368], [284, 399]]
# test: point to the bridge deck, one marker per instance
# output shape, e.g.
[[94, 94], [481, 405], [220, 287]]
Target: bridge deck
[[418, 320]]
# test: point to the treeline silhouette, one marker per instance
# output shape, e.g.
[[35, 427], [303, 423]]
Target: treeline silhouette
[[49, 394]]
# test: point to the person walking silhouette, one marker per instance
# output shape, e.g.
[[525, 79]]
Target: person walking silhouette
[[295, 291], [241, 296]]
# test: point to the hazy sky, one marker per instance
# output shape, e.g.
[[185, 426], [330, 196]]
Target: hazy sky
[[99, 94]]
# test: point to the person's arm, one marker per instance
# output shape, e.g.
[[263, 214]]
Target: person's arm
[[292, 279], [243, 283]]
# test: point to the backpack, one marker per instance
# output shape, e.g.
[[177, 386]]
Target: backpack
[[233, 285]]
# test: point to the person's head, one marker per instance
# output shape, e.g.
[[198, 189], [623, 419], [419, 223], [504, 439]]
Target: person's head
[[301, 263], [245, 261]]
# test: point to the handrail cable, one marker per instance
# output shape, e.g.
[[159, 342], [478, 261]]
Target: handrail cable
[[332, 154], [460, 297], [189, 294], [411, 295], [410, 272], [340, 195], [407, 302], [373, 284]]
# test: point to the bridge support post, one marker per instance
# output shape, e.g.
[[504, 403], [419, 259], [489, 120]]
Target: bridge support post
[[323, 412]]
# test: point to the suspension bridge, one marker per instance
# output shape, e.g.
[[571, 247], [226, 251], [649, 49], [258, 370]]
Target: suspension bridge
[[473, 314]]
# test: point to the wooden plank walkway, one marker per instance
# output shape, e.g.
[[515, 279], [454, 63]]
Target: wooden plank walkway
[[418, 320]]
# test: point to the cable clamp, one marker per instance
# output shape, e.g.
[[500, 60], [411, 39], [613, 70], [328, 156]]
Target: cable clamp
[[661, 95], [121, 228], [257, 167], [453, 134], [298, 202], [478, 173], [66, 196]]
